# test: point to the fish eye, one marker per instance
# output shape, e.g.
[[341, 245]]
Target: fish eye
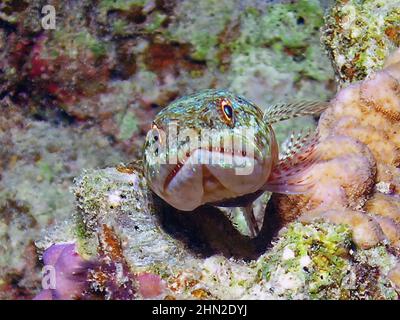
[[155, 133], [227, 111]]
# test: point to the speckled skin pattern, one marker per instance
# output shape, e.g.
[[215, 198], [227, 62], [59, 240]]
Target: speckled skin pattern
[[201, 113]]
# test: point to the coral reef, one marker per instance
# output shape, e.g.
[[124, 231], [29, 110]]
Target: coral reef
[[359, 35], [83, 96]]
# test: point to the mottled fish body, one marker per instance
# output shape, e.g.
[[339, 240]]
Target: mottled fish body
[[215, 147]]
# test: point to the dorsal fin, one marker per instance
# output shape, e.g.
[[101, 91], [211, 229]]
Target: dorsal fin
[[284, 111], [288, 175]]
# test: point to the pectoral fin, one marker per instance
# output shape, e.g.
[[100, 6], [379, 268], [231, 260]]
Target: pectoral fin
[[280, 112], [290, 174], [251, 220], [248, 217]]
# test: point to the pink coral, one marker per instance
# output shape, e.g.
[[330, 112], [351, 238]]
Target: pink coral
[[150, 285], [70, 273], [358, 180]]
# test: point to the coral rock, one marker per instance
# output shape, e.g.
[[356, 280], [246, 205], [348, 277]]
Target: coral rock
[[363, 121], [394, 275], [366, 231], [360, 34]]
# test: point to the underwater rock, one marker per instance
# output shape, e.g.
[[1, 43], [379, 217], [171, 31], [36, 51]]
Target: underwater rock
[[117, 199], [118, 223], [359, 35]]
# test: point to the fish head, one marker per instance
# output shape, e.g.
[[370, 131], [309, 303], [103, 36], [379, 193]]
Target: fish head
[[208, 147]]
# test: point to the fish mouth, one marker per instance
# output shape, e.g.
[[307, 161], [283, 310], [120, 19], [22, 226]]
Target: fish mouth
[[206, 172]]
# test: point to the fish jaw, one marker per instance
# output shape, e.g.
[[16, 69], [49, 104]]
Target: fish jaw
[[209, 176]]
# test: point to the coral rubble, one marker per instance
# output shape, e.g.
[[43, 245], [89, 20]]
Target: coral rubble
[[360, 34]]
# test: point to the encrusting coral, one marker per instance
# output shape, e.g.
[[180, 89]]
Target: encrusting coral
[[360, 34], [358, 178]]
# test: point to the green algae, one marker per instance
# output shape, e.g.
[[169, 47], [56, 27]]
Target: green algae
[[120, 27], [69, 43], [319, 261], [93, 44], [107, 5], [360, 35], [128, 126], [282, 25], [200, 24], [321, 244]]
